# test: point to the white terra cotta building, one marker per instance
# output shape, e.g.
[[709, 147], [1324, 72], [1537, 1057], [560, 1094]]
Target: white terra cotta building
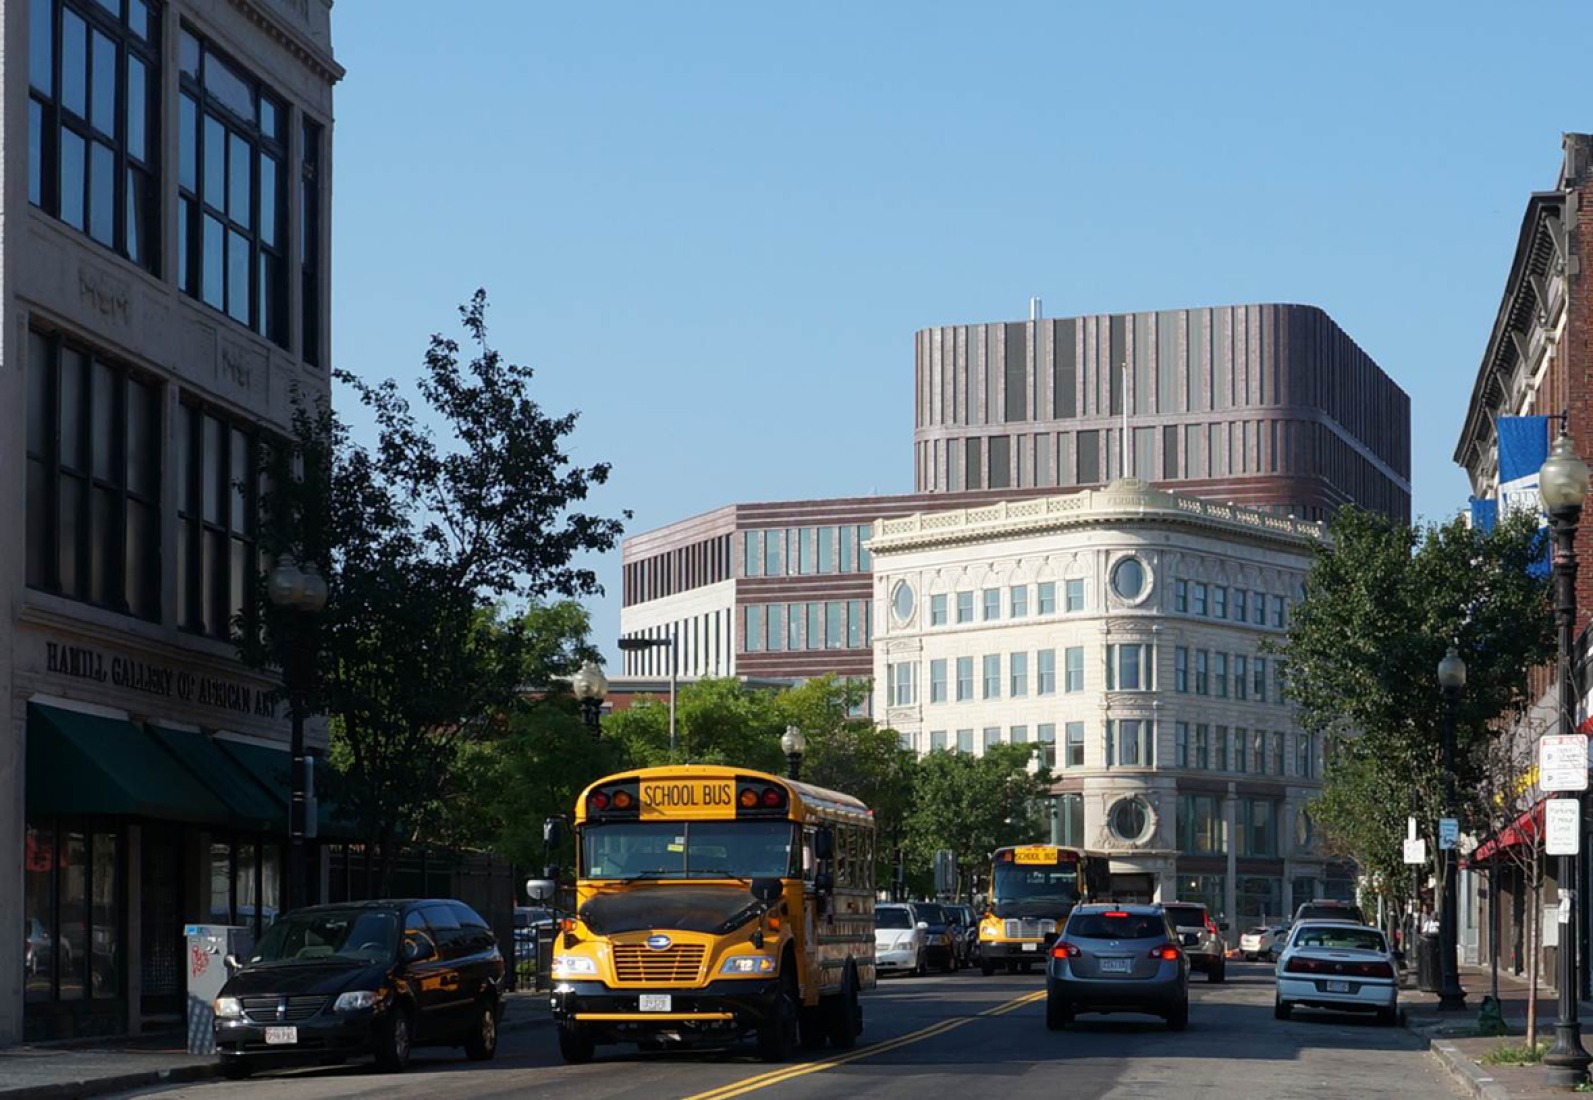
[[1126, 633]]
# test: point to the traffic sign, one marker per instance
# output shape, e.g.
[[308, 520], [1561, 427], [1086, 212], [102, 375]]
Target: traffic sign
[[1448, 833], [1562, 762], [1562, 831], [1416, 851]]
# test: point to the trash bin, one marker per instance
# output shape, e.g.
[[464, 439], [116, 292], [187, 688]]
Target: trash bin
[[208, 947], [1429, 969]]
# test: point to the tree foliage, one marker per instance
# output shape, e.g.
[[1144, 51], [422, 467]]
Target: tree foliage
[[451, 513], [1383, 603], [973, 805]]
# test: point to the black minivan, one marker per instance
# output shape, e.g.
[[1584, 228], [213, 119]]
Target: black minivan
[[368, 977]]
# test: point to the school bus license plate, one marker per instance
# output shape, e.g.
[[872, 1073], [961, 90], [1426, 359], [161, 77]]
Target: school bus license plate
[[663, 799], [656, 1002]]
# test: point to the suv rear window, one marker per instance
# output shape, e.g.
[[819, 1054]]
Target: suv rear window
[[1321, 911], [1117, 926], [1186, 916]]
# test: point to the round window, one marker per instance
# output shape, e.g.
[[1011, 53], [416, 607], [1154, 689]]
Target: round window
[[1130, 818], [1128, 579], [902, 602]]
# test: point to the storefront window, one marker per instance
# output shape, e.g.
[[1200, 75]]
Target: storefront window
[[248, 903], [221, 883], [73, 939], [270, 885], [1260, 898], [1210, 889], [105, 957], [38, 907]]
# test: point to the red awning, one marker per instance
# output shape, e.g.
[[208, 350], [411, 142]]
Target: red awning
[[1525, 829]]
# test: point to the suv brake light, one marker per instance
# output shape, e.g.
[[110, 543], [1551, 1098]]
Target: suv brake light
[[1062, 949], [1166, 952]]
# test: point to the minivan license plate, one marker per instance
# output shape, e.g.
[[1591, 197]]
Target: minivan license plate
[[1338, 987], [281, 1036], [655, 1002], [1115, 966]]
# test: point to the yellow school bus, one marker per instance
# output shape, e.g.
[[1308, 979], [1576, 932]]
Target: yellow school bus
[[1033, 887], [714, 903]]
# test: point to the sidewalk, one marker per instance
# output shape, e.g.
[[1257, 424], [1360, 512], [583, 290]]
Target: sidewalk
[[1454, 1042], [65, 1072]]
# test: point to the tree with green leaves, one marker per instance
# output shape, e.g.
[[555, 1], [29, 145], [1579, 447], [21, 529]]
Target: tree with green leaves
[[974, 805], [451, 514], [1383, 602], [717, 721]]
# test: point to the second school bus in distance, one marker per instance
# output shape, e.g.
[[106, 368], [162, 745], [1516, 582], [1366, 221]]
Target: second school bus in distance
[[714, 903], [1033, 887]]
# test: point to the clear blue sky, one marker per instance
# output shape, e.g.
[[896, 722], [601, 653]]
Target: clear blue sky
[[714, 228]]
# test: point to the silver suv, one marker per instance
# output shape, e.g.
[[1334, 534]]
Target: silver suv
[[1201, 938]]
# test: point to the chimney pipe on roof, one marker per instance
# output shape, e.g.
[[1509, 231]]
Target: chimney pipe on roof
[[1035, 311]]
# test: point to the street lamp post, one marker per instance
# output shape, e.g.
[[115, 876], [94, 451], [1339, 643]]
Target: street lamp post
[[1451, 678], [631, 645], [590, 686], [302, 593], [793, 743], [1563, 485]]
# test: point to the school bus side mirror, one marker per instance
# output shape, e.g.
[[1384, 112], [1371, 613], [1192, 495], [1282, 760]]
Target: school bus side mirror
[[540, 889], [767, 890], [824, 844]]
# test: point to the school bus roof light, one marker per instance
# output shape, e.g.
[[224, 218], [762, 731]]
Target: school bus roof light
[[600, 800], [773, 797], [748, 798], [622, 800]]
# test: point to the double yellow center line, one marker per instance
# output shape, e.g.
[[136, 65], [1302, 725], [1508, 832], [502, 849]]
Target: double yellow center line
[[788, 1073]]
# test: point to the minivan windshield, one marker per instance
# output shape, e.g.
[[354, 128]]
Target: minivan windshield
[[330, 935]]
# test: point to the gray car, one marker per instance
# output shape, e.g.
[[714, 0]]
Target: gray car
[[1112, 958], [1207, 951]]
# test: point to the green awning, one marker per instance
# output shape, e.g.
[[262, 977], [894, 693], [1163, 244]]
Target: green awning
[[252, 803], [83, 764], [274, 769]]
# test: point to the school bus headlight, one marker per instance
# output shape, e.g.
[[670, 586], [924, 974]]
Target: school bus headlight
[[990, 928], [748, 964], [573, 966]]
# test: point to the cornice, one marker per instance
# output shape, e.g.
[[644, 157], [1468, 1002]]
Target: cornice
[[293, 40]]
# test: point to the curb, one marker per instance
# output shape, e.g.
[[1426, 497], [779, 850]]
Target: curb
[[120, 1082], [1475, 1079]]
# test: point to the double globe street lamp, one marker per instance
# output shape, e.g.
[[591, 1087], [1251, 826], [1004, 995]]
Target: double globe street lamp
[[302, 594], [1563, 486], [793, 743], [590, 687]]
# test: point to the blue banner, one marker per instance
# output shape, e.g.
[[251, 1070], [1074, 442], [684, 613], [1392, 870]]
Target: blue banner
[[1484, 513], [1523, 448]]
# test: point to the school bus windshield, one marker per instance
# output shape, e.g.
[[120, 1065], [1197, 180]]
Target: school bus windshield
[[1014, 882], [690, 850]]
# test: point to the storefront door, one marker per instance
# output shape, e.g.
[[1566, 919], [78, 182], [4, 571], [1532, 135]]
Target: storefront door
[[161, 901]]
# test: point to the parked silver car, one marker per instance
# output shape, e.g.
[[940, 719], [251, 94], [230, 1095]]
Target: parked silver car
[[1117, 959], [1208, 951], [1338, 965]]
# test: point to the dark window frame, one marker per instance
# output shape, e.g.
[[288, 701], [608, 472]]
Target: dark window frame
[[198, 611]]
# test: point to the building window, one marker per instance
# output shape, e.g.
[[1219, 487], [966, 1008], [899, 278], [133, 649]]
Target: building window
[[752, 628], [937, 740], [93, 114], [1128, 667], [777, 631], [865, 560], [1075, 595], [1258, 682], [902, 678], [1201, 592], [310, 243], [1045, 671], [1304, 756], [232, 179], [826, 539], [1074, 749], [1130, 820], [965, 690], [1258, 609], [751, 553], [93, 484], [902, 602], [71, 901], [1199, 825], [1047, 597], [1181, 596], [1278, 617], [1259, 752], [1241, 749], [1018, 675], [1219, 601], [1128, 581], [937, 610], [1073, 658], [992, 604], [965, 607], [1202, 675], [833, 626], [1018, 735], [1241, 676], [773, 553], [992, 676], [965, 741], [1131, 740], [1202, 746], [848, 541], [1219, 670], [1181, 669], [1256, 827], [1239, 615], [1020, 600], [1219, 749], [937, 681], [1181, 744], [1045, 737], [1070, 819], [856, 624], [1277, 753], [815, 613], [804, 544], [992, 737]]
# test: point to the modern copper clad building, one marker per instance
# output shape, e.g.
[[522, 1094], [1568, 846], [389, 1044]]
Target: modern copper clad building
[[1269, 406]]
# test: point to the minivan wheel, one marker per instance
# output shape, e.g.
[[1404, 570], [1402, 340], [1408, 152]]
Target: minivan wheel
[[482, 1042], [393, 1040]]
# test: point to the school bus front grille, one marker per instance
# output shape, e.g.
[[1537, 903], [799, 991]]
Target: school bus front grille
[[679, 963]]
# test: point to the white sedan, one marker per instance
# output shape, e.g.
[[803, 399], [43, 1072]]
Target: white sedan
[[899, 939], [1258, 943], [1337, 965]]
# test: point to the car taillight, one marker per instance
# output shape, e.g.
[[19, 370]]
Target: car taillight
[[1211, 926], [1062, 949], [1298, 965], [1166, 952]]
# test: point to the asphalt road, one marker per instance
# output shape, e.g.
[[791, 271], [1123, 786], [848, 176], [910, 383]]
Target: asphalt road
[[939, 1037]]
